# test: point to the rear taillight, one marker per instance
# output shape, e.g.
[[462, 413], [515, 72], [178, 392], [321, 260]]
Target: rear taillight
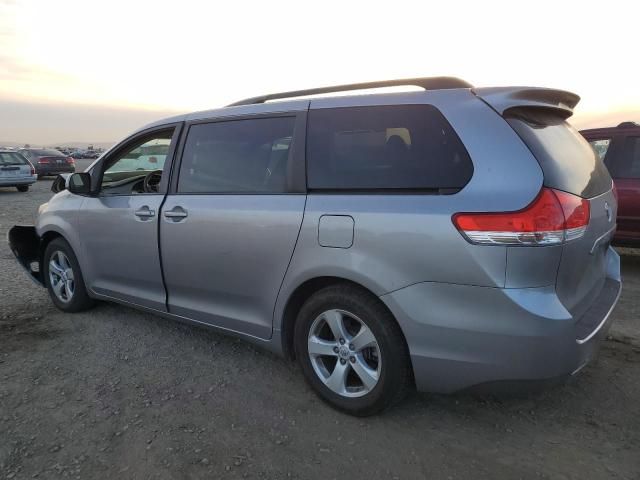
[[576, 214], [33, 170], [552, 218], [43, 160]]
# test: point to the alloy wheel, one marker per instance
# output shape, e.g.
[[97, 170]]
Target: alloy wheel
[[61, 276], [344, 353]]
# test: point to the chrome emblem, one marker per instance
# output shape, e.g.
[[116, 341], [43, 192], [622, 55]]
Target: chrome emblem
[[607, 209], [343, 352]]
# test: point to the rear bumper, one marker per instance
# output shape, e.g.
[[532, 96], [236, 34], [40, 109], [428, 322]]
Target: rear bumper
[[54, 170], [462, 336], [24, 243], [14, 182]]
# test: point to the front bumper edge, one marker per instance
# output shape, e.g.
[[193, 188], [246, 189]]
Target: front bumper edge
[[24, 243]]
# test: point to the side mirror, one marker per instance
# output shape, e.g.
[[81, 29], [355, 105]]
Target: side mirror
[[79, 183]]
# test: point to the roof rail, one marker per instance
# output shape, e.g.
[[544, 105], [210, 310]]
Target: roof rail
[[428, 83]]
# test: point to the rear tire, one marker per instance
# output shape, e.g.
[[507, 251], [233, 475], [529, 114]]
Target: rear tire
[[63, 278], [364, 368], [23, 188]]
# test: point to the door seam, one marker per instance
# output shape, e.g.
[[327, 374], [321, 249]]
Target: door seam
[[293, 251]]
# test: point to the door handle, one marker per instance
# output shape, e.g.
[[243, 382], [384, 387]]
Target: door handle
[[176, 214], [144, 212]]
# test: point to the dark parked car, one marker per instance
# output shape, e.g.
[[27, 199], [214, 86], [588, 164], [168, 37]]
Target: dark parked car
[[49, 161], [619, 147]]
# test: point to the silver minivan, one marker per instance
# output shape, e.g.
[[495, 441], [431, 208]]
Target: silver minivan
[[445, 239]]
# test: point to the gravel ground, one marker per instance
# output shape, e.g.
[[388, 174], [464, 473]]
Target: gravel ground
[[115, 393]]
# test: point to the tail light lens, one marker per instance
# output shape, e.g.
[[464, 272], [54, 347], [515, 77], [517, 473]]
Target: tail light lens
[[43, 160], [33, 169], [553, 217]]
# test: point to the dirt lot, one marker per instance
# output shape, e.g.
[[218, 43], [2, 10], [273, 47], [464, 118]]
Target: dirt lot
[[115, 393]]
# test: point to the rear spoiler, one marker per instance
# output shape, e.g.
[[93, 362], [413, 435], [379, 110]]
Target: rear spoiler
[[502, 99]]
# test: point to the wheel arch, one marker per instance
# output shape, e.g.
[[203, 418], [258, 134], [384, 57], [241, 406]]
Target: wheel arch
[[301, 293], [45, 239]]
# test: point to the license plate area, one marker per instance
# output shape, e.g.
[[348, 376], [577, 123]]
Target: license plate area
[[10, 171]]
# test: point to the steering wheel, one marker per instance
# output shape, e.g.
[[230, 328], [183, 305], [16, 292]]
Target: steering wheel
[[151, 181]]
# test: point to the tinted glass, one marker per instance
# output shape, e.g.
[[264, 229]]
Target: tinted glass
[[47, 153], [11, 158], [628, 165], [568, 161], [385, 147], [237, 156]]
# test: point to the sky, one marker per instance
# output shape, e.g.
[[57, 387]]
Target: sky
[[86, 70]]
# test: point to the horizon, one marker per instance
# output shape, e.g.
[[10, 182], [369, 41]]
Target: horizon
[[85, 84]]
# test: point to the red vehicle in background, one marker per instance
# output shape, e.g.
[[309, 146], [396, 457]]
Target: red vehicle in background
[[619, 147]]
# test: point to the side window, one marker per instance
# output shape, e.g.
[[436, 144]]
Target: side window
[[249, 156], [601, 146], [385, 147], [629, 162], [135, 162]]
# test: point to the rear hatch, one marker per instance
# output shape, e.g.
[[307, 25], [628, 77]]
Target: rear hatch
[[571, 165], [13, 166]]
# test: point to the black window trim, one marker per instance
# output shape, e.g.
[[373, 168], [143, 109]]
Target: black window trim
[[384, 190], [97, 170], [296, 174]]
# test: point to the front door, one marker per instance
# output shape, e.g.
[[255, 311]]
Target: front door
[[119, 226], [228, 230]]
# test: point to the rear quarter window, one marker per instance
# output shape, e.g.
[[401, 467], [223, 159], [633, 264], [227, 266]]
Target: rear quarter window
[[567, 160], [399, 147], [601, 147]]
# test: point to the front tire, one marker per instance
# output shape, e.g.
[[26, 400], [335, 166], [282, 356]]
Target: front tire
[[63, 278], [351, 350], [23, 188]]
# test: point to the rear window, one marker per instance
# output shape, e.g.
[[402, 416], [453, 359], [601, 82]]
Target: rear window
[[11, 158], [47, 153], [568, 161], [399, 147]]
